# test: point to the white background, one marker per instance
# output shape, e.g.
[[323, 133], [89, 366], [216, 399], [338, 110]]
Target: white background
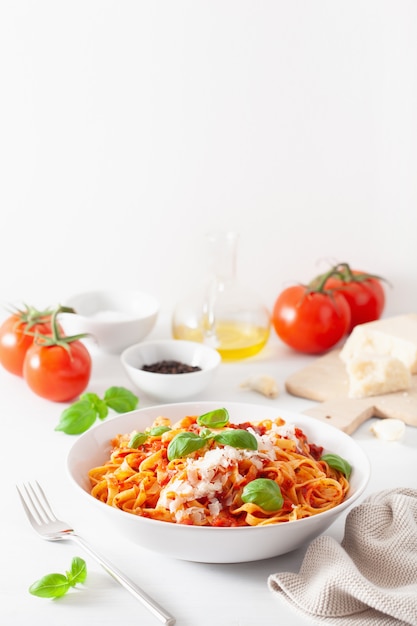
[[130, 129]]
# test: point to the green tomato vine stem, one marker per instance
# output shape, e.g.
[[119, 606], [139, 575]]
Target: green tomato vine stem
[[343, 272], [57, 338]]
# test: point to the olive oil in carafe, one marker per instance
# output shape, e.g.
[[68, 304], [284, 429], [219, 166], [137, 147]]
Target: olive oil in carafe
[[226, 316], [234, 340]]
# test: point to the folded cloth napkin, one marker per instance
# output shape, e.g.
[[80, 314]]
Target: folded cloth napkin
[[370, 578]]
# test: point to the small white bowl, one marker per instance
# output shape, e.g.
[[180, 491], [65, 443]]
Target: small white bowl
[[205, 543], [115, 319], [170, 387]]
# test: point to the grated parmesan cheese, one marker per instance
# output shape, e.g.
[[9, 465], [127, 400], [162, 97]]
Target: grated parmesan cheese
[[207, 475]]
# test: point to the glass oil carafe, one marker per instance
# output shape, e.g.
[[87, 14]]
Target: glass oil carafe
[[223, 314]]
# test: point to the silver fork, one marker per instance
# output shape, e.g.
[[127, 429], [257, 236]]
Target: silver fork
[[45, 522]]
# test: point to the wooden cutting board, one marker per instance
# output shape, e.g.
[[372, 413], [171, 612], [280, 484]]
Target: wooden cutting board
[[325, 381]]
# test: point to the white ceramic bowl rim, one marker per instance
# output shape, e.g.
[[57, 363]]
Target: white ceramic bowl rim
[[134, 304], [178, 349]]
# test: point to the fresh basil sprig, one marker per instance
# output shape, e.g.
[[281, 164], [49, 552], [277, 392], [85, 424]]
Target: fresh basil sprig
[[338, 463], [187, 442], [264, 492], [57, 585], [81, 415], [137, 440], [157, 431]]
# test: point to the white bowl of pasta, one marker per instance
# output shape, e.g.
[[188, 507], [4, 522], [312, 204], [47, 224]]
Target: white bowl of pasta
[[218, 482]]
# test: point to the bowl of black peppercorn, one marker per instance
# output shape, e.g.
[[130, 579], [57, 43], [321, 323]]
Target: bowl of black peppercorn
[[170, 370]]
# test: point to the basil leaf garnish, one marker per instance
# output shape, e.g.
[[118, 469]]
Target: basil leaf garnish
[[237, 438], [137, 440], [157, 431], [214, 419], [183, 444], [338, 463], [264, 492]]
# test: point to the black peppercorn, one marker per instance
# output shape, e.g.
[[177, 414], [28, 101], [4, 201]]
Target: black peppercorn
[[171, 367]]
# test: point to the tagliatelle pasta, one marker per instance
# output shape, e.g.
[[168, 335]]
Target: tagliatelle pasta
[[213, 484]]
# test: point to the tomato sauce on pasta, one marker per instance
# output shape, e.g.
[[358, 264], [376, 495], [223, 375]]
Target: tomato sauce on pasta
[[206, 486]]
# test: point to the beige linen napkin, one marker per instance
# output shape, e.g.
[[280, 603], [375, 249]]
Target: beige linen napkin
[[368, 580]]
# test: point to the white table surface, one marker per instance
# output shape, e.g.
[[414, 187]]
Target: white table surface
[[197, 594]]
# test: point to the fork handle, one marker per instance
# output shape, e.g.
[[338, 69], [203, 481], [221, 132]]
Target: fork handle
[[157, 610]]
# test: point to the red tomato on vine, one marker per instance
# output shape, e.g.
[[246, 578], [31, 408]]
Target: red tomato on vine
[[56, 367], [313, 318], [310, 320], [363, 292], [17, 333]]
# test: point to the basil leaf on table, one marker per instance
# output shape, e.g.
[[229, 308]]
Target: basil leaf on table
[[97, 403], [78, 571], [82, 414], [77, 418], [120, 399], [50, 586], [57, 585]]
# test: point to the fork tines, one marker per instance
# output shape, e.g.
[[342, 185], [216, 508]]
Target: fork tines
[[35, 503]]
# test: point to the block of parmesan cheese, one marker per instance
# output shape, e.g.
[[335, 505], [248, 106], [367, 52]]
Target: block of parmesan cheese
[[393, 336], [373, 375]]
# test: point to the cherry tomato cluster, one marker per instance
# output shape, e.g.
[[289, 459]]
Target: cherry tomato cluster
[[33, 345], [315, 317]]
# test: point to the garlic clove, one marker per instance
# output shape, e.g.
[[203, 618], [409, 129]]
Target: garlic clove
[[389, 429], [262, 383]]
